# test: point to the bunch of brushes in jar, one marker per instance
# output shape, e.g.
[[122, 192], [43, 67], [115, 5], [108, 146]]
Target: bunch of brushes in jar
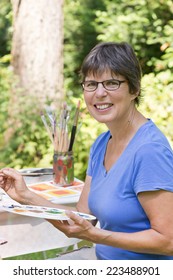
[[58, 130]]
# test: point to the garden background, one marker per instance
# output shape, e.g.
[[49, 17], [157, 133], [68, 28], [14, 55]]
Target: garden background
[[145, 24]]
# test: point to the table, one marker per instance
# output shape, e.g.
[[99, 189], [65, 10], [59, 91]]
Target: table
[[29, 234]]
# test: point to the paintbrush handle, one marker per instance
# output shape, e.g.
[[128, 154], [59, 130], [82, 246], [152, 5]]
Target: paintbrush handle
[[72, 138], [74, 128], [36, 174]]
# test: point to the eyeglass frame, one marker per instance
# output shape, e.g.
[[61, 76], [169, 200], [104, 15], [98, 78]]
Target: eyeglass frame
[[119, 82]]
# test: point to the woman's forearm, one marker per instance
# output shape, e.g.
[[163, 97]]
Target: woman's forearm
[[148, 241], [32, 198]]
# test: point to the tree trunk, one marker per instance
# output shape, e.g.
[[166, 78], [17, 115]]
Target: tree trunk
[[37, 48]]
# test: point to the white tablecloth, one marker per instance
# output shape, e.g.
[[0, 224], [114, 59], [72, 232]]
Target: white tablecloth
[[27, 235]]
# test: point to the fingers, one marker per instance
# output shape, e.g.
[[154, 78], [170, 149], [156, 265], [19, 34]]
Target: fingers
[[61, 225], [10, 172], [3, 179], [2, 176], [12, 182], [70, 222], [75, 218], [75, 226]]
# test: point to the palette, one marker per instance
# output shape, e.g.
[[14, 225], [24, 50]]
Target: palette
[[43, 212]]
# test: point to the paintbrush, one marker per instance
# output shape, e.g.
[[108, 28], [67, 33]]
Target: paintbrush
[[3, 241], [47, 127], [74, 127], [63, 125], [31, 174], [35, 174]]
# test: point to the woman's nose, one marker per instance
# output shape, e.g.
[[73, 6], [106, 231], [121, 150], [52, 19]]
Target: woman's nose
[[100, 91]]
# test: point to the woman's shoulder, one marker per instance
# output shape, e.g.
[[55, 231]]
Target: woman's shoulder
[[153, 142], [150, 135]]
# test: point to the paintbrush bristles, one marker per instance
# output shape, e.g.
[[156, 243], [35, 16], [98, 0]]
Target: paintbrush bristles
[[47, 127], [58, 130]]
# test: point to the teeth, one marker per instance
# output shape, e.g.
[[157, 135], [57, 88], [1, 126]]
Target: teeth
[[102, 107]]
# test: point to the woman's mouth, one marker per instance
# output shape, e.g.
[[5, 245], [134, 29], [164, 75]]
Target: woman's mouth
[[102, 107]]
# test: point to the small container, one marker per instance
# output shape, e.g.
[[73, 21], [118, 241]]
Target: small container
[[63, 168]]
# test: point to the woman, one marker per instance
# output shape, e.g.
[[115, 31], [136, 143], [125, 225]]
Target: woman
[[129, 182]]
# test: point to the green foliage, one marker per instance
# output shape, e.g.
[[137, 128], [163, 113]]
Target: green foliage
[[146, 25], [23, 139], [80, 36], [5, 85], [5, 27], [158, 96]]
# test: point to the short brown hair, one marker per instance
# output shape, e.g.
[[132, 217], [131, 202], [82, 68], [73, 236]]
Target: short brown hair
[[120, 59]]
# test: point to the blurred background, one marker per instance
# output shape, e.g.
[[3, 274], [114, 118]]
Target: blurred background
[[42, 45]]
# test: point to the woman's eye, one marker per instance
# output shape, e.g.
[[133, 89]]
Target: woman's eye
[[111, 83], [90, 84]]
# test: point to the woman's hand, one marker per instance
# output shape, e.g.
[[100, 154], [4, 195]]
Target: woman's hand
[[12, 182], [75, 227]]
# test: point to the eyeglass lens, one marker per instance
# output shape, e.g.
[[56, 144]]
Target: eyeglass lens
[[108, 84]]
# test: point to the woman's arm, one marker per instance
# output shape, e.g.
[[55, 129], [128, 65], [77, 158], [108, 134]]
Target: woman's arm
[[14, 185], [12, 182], [158, 206], [82, 205]]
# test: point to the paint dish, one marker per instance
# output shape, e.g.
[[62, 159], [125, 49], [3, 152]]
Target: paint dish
[[56, 194], [41, 187], [43, 212]]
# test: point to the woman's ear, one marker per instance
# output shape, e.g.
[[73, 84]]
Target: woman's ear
[[134, 95]]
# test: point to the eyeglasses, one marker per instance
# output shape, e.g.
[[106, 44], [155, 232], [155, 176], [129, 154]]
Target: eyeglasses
[[108, 84]]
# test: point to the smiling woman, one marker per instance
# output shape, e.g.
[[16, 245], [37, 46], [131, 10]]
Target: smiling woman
[[130, 169]]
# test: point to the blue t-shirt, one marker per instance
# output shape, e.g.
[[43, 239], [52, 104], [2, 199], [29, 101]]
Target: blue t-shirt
[[145, 165]]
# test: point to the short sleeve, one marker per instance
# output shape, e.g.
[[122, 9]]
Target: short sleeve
[[153, 168]]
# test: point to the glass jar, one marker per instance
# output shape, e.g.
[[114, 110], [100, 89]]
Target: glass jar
[[63, 168]]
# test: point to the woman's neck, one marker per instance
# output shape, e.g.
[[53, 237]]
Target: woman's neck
[[121, 137], [126, 129]]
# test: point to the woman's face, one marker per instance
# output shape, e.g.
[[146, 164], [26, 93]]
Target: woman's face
[[109, 106]]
